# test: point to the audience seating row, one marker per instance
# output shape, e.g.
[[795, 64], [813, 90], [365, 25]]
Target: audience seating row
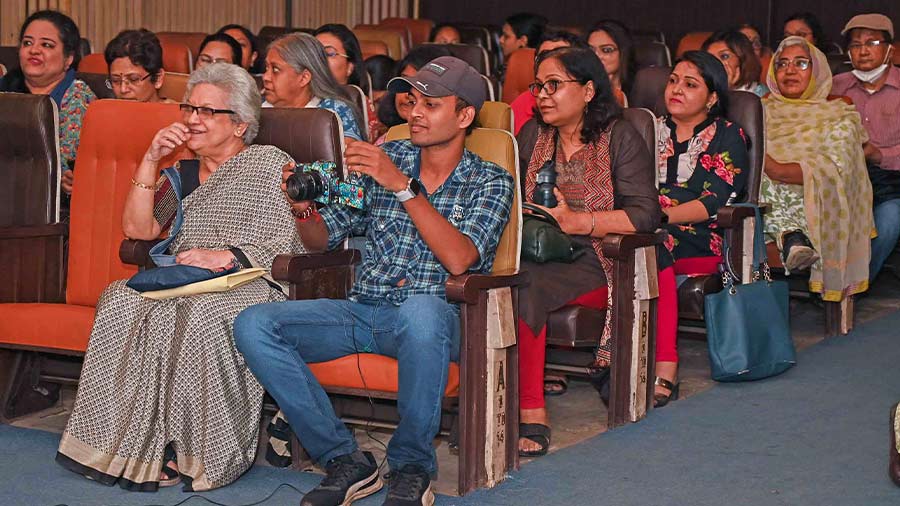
[[177, 57]]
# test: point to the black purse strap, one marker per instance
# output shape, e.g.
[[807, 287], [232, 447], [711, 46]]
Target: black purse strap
[[760, 258], [540, 213]]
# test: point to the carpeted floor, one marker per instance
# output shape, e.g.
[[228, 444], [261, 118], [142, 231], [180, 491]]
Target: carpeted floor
[[816, 435]]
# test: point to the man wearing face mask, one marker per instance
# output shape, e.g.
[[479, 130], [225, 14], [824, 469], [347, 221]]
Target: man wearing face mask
[[874, 87]]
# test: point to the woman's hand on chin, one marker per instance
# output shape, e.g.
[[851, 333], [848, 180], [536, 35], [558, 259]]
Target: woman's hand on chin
[[571, 222], [207, 259]]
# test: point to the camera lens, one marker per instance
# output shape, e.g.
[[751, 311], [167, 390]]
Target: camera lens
[[305, 186]]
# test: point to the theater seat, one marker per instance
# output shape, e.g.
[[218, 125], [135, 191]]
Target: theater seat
[[174, 86], [105, 163], [396, 39], [419, 29], [691, 41], [358, 96], [9, 57], [496, 115], [651, 54], [93, 63], [177, 57], [192, 40], [379, 373], [97, 84], [372, 48]]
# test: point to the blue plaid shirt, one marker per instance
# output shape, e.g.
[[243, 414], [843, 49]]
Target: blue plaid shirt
[[476, 199]]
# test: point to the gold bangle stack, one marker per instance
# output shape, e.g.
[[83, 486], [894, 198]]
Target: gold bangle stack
[[143, 186]]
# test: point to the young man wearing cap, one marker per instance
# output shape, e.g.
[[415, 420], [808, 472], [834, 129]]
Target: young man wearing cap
[[433, 209], [874, 87]]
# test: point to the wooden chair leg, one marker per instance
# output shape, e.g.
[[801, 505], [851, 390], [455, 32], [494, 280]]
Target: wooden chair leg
[[21, 391], [488, 404], [839, 317]]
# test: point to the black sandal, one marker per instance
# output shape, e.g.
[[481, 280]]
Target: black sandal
[[173, 477], [555, 385], [660, 400], [538, 433]]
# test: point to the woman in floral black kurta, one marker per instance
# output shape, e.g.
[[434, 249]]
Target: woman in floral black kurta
[[703, 161]]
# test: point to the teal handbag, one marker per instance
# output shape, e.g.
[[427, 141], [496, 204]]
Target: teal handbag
[[544, 241], [747, 325]]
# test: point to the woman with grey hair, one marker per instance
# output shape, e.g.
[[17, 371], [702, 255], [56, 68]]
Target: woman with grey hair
[[164, 393], [297, 75]]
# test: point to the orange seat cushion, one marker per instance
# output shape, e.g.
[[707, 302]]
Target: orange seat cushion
[[380, 372], [55, 326]]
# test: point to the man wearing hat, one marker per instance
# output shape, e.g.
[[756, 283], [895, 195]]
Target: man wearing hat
[[874, 87], [433, 209]]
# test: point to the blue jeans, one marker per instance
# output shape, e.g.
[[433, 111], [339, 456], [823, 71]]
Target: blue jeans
[[887, 222], [279, 339]]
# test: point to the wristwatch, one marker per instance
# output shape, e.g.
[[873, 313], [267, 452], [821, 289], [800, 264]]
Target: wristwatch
[[412, 189]]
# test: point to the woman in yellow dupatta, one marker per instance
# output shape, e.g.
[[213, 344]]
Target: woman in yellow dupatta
[[815, 174]]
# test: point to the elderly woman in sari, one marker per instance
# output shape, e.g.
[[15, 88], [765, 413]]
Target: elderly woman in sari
[[815, 174], [164, 393]]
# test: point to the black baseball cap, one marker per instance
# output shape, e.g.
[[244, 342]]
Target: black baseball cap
[[443, 77]]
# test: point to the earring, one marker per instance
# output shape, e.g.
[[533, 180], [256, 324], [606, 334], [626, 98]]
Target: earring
[[709, 107]]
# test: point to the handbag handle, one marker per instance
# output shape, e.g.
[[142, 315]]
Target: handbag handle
[[540, 214], [760, 259]]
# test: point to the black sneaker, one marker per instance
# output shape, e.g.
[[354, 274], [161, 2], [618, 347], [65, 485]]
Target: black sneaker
[[346, 480], [411, 486], [797, 253]]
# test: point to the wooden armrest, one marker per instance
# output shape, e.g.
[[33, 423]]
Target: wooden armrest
[[288, 267], [32, 231], [136, 252], [621, 246], [466, 287], [731, 217]]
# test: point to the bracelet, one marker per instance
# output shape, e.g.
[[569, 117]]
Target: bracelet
[[304, 215], [593, 223], [143, 186]]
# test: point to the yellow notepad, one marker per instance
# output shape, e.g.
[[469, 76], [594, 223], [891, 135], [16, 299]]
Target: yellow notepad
[[220, 284]]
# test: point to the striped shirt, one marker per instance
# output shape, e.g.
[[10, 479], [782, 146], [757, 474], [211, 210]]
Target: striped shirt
[[476, 199]]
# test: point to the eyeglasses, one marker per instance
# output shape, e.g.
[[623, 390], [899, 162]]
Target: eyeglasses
[[605, 49], [331, 52], [550, 86], [202, 112], [207, 59], [870, 44], [797, 63], [131, 80]]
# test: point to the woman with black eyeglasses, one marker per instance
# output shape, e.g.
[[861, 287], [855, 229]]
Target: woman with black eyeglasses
[[611, 43], [134, 58], [604, 184], [164, 393], [48, 59]]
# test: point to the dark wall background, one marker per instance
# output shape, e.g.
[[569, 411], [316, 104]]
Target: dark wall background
[[672, 17]]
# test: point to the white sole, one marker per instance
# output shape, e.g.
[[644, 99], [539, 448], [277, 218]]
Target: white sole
[[364, 489]]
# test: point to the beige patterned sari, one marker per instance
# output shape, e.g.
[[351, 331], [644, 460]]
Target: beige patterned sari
[[833, 207], [167, 372]]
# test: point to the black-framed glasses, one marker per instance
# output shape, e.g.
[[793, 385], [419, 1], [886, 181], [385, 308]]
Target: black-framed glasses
[[331, 52], [131, 80], [797, 63], [202, 112], [550, 86], [870, 44]]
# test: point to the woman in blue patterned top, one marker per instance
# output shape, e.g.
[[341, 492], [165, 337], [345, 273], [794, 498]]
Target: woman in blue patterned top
[[297, 75]]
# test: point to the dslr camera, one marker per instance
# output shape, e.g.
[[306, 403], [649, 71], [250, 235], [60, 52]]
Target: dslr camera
[[321, 182]]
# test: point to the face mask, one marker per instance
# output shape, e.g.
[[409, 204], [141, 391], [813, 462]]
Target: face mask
[[870, 76]]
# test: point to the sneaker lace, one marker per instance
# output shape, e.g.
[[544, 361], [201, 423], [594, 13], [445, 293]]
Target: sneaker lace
[[338, 474], [406, 484]]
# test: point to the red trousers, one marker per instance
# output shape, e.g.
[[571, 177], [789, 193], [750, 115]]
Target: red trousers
[[533, 348]]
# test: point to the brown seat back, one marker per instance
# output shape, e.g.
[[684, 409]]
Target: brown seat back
[[392, 38], [519, 73], [29, 160], [745, 109], [649, 88], [691, 41], [497, 115], [9, 57], [644, 122], [93, 63], [97, 84], [177, 57], [174, 85], [358, 96], [419, 29], [372, 48], [193, 40], [651, 54], [307, 135], [473, 54], [104, 166]]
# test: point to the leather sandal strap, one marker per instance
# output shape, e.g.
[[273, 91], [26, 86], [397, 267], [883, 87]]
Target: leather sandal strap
[[664, 383]]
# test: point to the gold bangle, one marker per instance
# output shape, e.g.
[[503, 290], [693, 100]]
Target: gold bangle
[[143, 186], [593, 223]]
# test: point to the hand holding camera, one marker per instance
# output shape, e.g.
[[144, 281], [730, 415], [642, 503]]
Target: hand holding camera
[[372, 161]]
